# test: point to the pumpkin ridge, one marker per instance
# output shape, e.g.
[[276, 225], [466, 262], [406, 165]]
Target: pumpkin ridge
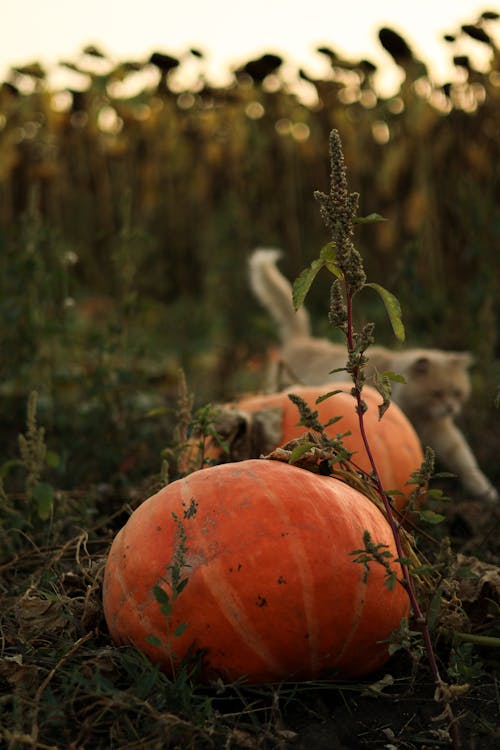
[[303, 564], [131, 601], [230, 605], [341, 642], [119, 574], [271, 591], [360, 598], [232, 608]]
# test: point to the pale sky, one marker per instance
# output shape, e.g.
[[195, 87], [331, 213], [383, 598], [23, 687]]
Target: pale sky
[[231, 32]]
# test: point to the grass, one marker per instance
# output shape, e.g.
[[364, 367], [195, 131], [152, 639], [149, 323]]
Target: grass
[[63, 683]]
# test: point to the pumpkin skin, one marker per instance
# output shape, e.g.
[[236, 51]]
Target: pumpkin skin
[[272, 592], [393, 441]]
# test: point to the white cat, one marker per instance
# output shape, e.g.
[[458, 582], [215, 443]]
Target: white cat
[[437, 382]]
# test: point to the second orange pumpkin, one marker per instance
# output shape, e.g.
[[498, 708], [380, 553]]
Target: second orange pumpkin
[[394, 443]]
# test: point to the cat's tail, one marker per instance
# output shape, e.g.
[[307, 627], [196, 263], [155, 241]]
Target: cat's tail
[[274, 292]]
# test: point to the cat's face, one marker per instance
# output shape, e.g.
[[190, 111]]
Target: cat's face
[[438, 384]]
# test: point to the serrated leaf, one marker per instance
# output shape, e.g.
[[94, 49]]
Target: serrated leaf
[[303, 282], [299, 451], [370, 219], [393, 309], [43, 495]]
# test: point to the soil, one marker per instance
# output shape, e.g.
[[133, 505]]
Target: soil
[[65, 686]]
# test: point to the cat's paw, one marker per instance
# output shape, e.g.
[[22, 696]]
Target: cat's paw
[[490, 495], [480, 487]]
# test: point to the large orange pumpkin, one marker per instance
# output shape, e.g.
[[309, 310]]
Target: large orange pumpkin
[[273, 592], [394, 443]]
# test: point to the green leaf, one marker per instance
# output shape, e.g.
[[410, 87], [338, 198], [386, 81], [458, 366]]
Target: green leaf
[[153, 640], [436, 494], [179, 630], [383, 386], [52, 459], [158, 411], [393, 309], [324, 396], [420, 570], [299, 451], [8, 465], [181, 585], [370, 219], [434, 608], [463, 571], [393, 647], [394, 377], [332, 420], [328, 255], [429, 516], [167, 609], [303, 282], [160, 595], [403, 561], [43, 495], [390, 581], [382, 408]]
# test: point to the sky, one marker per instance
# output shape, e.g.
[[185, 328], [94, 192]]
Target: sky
[[231, 32]]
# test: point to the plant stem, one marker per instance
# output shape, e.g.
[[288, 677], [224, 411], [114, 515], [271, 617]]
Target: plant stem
[[338, 209], [479, 640], [421, 619]]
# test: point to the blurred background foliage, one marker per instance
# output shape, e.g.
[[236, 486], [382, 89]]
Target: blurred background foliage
[[126, 220]]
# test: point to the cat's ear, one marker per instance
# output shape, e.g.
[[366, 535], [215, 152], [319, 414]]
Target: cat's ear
[[420, 366], [462, 359]]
